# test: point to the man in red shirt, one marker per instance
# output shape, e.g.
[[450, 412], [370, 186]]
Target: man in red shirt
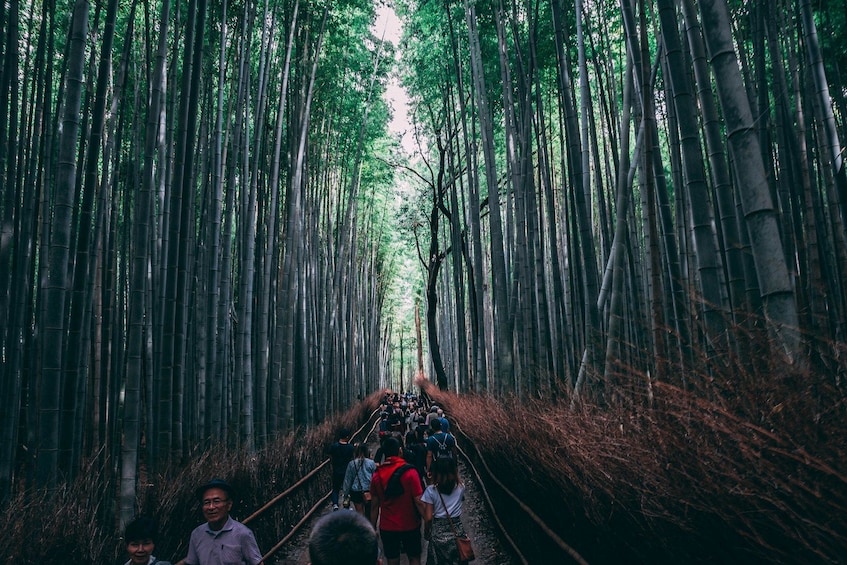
[[396, 504]]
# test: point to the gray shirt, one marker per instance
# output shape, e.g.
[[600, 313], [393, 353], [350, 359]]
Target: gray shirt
[[234, 544]]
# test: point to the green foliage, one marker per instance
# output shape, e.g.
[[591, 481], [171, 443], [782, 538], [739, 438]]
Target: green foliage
[[832, 34], [425, 52]]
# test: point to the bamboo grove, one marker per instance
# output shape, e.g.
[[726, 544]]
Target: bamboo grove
[[670, 190], [192, 240], [199, 235]]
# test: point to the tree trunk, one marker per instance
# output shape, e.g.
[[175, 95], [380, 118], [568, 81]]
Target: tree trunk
[[56, 285], [710, 275], [824, 105], [722, 184], [139, 306], [78, 344], [473, 256], [15, 258], [502, 328], [762, 222]]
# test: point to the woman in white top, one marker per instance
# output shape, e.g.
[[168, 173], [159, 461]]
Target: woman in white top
[[443, 505]]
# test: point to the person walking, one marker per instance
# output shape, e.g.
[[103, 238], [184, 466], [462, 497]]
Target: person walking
[[442, 502], [340, 454], [415, 451], [433, 413], [357, 479], [221, 539], [396, 506], [439, 444]]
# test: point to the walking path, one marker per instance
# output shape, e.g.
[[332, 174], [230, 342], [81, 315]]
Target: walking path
[[475, 517]]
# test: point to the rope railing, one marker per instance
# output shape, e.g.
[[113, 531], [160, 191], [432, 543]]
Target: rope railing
[[296, 527], [574, 554], [370, 422], [299, 483], [275, 500]]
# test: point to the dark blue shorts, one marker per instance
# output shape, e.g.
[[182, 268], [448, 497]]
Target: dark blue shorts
[[392, 541]]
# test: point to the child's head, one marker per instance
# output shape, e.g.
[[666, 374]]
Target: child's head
[[140, 539]]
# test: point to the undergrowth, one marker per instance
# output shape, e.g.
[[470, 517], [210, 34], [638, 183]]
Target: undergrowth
[[728, 468], [70, 526], [724, 466]]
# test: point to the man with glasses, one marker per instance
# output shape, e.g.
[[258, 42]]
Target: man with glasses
[[221, 540]]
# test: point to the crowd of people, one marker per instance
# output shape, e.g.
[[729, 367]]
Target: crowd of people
[[409, 489]]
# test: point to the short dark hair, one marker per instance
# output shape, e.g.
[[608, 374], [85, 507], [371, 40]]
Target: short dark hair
[[435, 424], [140, 529], [362, 450], [343, 538], [214, 483], [391, 446]]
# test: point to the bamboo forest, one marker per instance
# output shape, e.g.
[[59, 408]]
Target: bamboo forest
[[225, 221]]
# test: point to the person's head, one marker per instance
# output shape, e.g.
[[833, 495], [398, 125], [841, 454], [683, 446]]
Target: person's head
[[434, 426], [411, 438], [344, 434], [445, 474], [140, 539], [391, 446], [343, 538], [361, 451], [216, 500]]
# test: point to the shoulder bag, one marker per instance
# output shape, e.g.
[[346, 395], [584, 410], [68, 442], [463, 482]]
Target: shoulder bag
[[463, 542], [366, 494]]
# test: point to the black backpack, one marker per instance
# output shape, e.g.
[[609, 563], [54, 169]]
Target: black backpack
[[444, 451], [394, 488]]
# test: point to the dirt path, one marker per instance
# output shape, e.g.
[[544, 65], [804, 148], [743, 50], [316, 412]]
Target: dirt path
[[475, 517], [479, 525]]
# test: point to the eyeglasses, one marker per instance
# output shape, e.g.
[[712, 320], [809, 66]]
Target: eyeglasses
[[215, 502]]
